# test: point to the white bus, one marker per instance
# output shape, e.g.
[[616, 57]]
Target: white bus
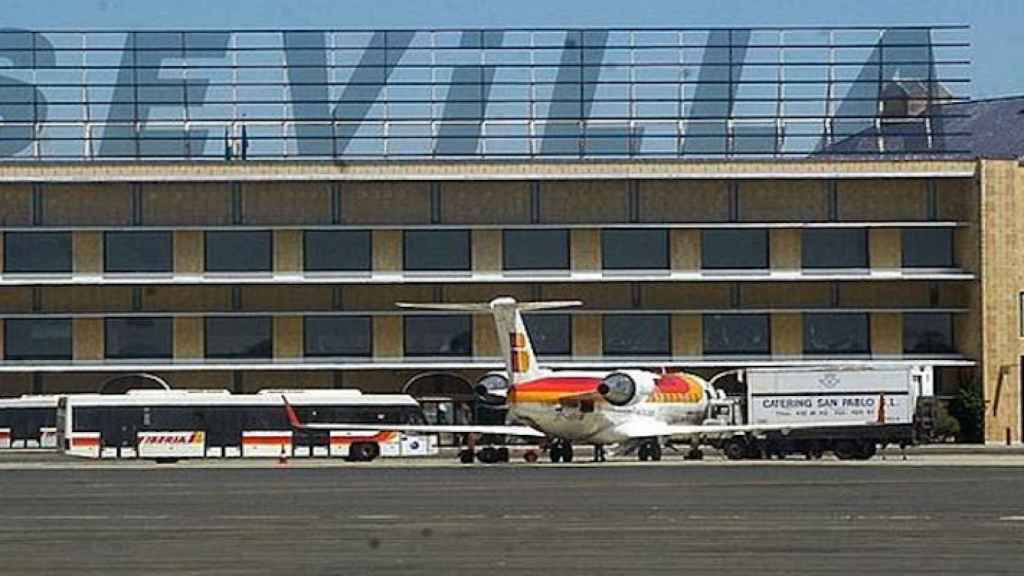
[[28, 422], [168, 425]]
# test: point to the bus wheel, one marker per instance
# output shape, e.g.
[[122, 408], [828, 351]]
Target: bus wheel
[[846, 450], [488, 455], [363, 452], [735, 449], [867, 450]]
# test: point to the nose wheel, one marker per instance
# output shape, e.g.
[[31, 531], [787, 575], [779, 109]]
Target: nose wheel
[[560, 451], [649, 450]]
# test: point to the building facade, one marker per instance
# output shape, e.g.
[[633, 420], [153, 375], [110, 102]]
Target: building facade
[[250, 270]]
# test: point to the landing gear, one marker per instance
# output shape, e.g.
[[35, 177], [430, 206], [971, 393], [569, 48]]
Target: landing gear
[[560, 451], [650, 450], [599, 455]]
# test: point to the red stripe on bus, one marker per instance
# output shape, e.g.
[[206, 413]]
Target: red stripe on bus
[[85, 441], [276, 440]]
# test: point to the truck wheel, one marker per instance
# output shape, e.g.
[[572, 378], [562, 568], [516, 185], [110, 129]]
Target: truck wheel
[[846, 450], [555, 453], [735, 449], [868, 449]]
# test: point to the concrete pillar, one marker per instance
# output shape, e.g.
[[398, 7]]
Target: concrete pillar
[[787, 334], [784, 249], [288, 251], [288, 337], [585, 250], [586, 335], [685, 249], [486, 250], [87, 342], [885, 248], [887, 333], [485, 338], [189, 338], [387, 337], [87, 252], [687, 335], [387, 250], [189, 255]]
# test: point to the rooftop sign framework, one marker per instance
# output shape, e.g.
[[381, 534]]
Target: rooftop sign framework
[[495, 93]]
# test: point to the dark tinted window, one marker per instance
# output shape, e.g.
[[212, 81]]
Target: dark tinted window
[[835, 248], [736, 334], [836, 334], [723, 249], [438, 336], [550, 333], [337, 250], [37, 252], [139, 337], [239, 251], [436, 250], [338, 336], [37, 339], [239, 337], [634, 249], [536, 249], [928, 333], [928, 248], [637, 334], [138, 252]]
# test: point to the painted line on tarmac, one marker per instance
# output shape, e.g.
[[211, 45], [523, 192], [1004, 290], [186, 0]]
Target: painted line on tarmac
[[1012, 518]]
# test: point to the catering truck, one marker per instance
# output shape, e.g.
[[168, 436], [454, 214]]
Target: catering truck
[[884, 405]]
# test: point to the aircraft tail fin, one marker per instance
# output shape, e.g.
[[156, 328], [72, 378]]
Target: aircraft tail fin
[[520, 360]]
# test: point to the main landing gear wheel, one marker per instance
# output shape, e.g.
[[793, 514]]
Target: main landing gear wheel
[[560, 451], [649, 450]]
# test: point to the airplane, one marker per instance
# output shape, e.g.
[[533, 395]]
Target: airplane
[[637, 410]]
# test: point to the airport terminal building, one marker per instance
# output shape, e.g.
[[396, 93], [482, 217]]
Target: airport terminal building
[[242, 210]]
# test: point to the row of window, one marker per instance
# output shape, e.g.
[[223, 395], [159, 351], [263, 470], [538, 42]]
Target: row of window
[[449, 250], [337, 336]]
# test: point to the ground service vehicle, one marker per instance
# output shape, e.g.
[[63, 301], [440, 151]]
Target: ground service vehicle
[[168, 425], [28, 422], [898, 399]]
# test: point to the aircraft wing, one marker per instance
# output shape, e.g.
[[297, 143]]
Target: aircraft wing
[[295, 422], [649, 429]]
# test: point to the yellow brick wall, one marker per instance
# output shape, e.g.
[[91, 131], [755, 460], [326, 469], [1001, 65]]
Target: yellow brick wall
[[189, 252], [584, 201], [687, 335], [485, 338], [185, 203], [286, 202], [15, 299], [874, 200], [189, 342], [485, 202], [683, 200], [84, 298], [787, 334], [585, 249], [586, 335], [288, 337], [387, 337], [87, 342], [385, 203], [685, 246], [288, 251], [387, 250], [87, 252], [886, 333], [486, 247], [885, 248], [15, 204], [782, 201], [106, 204], [784, 249]]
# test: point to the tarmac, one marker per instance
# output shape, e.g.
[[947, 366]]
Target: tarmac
[[931, 514]]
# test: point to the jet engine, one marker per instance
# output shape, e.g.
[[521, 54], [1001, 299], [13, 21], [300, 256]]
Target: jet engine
[[627, 387], [492, 388]]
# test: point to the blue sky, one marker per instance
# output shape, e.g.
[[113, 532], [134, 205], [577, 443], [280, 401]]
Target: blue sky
[[997, 35]]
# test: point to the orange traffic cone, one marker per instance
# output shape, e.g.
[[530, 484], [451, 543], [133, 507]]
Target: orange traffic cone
[[282, 458]]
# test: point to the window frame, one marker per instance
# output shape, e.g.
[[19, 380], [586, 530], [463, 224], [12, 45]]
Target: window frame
[[207, 246], [107, 234], [305, 335], [667, 242], [306, 251], [469, 250], [206, 337]]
